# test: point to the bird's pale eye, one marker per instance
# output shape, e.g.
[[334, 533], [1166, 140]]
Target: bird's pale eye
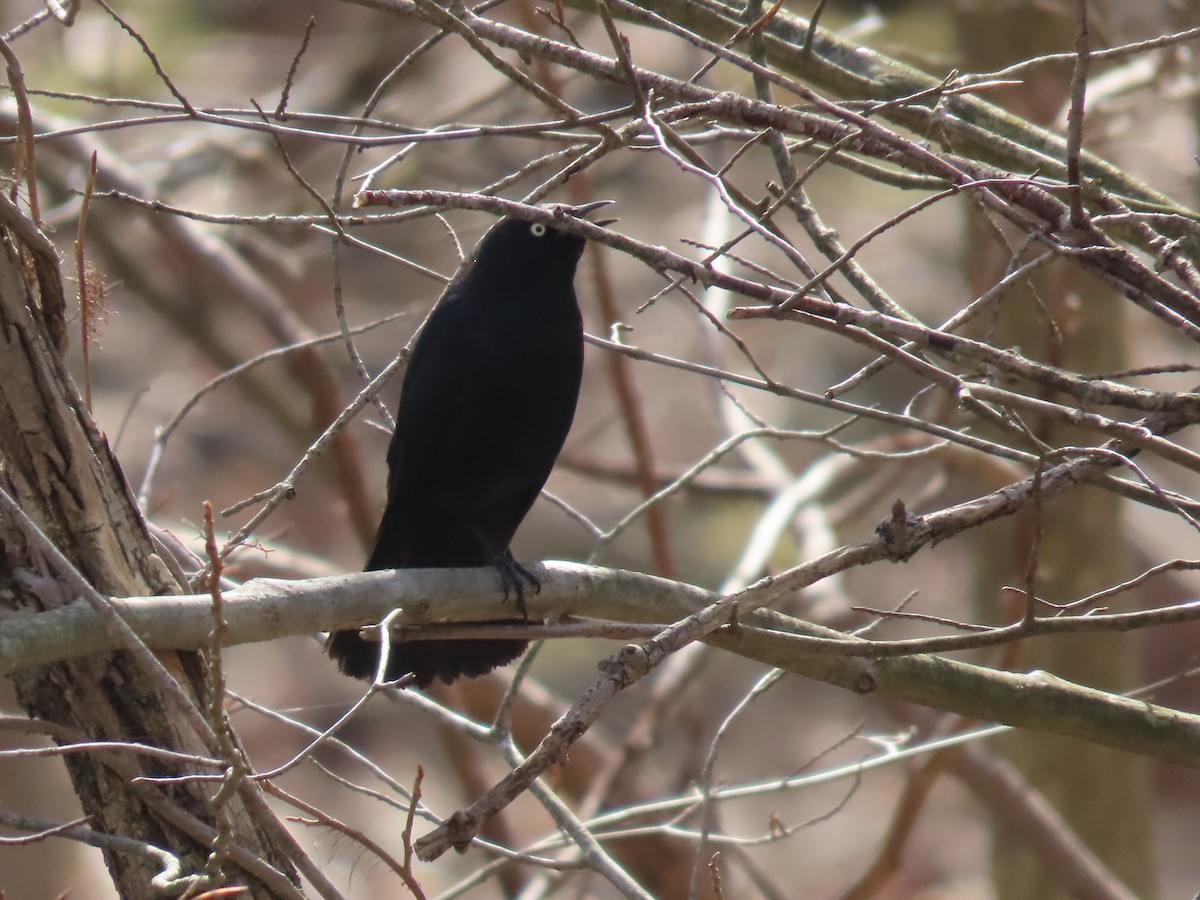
[[537, 229]]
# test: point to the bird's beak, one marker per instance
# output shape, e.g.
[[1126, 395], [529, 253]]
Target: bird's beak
[[583, 210]]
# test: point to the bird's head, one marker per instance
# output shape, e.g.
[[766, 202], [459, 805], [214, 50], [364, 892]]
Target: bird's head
[[519, 248]]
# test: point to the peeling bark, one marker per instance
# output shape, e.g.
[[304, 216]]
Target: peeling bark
[[59, 469]]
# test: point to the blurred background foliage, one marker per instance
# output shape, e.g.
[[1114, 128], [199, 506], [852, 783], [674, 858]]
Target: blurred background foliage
[[175, 321]]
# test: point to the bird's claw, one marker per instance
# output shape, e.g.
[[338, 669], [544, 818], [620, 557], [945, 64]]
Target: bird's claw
[[513, 578]]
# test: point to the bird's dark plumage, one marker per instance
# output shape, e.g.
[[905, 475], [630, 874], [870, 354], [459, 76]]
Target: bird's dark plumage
[[486, 404]]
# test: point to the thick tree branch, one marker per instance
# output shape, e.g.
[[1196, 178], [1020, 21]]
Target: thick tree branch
[[268, 608]]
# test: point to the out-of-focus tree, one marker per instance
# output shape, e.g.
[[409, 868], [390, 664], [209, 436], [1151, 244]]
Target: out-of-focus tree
[[890, 393]]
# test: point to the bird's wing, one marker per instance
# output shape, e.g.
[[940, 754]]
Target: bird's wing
[[423, 523]]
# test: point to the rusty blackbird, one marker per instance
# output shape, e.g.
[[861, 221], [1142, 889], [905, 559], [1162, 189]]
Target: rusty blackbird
[[486, 403]]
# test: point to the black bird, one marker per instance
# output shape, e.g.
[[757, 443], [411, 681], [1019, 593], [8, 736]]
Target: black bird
[[486, 404]]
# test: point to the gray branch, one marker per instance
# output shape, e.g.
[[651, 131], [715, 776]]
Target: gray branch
[[265, 609]]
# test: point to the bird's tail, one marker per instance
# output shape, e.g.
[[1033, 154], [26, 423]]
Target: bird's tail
[[426, 660]]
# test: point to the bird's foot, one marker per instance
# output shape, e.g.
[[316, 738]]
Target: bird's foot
[[513, 578]]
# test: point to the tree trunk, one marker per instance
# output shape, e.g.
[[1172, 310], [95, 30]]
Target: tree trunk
[[59, 470], [1079, 543]]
